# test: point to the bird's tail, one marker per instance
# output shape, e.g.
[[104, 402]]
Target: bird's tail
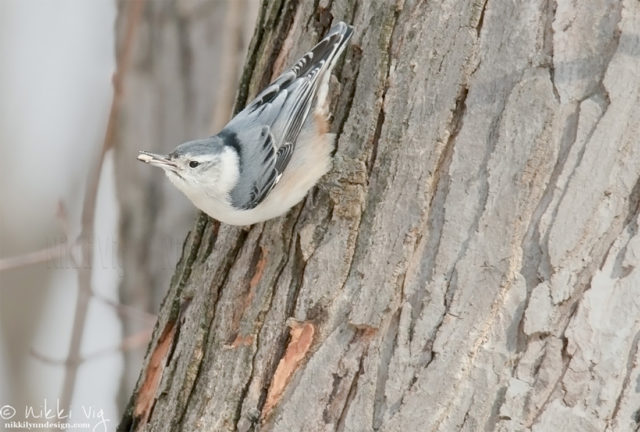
[[328, 51]]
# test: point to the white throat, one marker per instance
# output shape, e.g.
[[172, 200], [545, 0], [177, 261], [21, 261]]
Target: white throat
[[212, 191]]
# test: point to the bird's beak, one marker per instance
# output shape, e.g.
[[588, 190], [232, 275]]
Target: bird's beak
[[161, 161]]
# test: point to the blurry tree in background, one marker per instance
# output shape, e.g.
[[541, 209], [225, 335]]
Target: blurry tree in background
[[60, 337], [180, 84]]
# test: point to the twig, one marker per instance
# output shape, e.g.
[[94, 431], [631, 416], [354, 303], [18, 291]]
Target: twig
[[128, 343], [124, 309], [39, 256], [88, 212], [63, 218], [133, 341], [45, 254]]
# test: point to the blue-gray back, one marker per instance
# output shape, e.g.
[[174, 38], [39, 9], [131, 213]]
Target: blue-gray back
[[265, 132]]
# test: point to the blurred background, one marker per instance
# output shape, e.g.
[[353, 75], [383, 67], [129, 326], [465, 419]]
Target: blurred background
[[89, 237]]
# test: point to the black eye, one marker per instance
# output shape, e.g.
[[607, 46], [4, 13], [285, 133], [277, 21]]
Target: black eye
[[194, 164]]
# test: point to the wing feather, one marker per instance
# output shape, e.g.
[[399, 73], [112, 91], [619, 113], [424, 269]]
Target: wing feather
[[267, 129]]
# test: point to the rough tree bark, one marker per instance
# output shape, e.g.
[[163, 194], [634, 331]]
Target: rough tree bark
[[470, 262]]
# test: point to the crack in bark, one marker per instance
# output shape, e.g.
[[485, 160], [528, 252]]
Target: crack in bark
[[536, 265], [456, 124], [435, 219], [387, 349], [258, 254], [285, 21], [282, 341], [437, 210], [212, 238], [207, 329], [548, 36], [613, 48], [480, 22], [314, 8], [353, 388], [356, 56], [254, 49], [494, 417], [322, 17], [466, 412], [579, 157], [385, 87], [630, 223], [267, 19], [191, 257], [428, 357], [375, 139], [567, 359], [633, 207], [493, 138], [178, 323], [245, 389], [627, 378]]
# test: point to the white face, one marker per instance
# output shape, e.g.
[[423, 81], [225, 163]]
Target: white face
[[199, 173]]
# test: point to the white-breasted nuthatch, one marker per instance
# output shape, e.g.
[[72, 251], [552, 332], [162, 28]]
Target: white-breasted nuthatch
[[265, 160]]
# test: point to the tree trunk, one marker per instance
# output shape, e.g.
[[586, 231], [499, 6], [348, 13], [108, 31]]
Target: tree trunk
[[469, 263]]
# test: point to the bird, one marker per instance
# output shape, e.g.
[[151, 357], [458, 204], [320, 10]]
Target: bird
[[268, 157]]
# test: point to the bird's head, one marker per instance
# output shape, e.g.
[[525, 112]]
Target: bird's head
[[206, 166]]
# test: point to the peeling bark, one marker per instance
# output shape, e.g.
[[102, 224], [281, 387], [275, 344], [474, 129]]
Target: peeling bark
[[297, 348], [470, 261]]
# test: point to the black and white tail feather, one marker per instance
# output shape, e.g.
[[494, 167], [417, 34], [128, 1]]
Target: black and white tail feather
[[265, 132]]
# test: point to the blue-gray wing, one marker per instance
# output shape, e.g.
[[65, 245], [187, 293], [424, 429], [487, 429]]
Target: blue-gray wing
[[265, 132], [258, 173]]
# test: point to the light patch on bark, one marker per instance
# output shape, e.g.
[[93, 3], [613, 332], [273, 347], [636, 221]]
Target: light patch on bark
[[301, 335]]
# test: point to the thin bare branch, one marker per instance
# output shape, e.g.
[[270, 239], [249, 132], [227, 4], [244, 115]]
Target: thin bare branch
[[63, 218], [36, 257], [127, 310], [130, 342], [133, 341], [46, 254]]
